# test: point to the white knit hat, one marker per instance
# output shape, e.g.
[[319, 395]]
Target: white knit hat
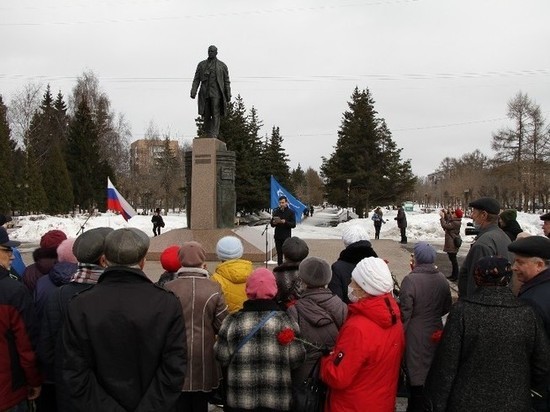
[[354, 233], [229, 247], [374, 276]]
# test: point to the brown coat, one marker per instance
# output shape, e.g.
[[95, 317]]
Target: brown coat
[[452, 230], [204, 309]]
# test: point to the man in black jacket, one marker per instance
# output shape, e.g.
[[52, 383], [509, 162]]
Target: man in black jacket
[[283, 221], [125, 342]]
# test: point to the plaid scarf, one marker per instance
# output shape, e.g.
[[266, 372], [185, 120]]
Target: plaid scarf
[[87, 273]]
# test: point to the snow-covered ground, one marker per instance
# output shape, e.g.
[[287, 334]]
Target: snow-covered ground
[[421, 226]]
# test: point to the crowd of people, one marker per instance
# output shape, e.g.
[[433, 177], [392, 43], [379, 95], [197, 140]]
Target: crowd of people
[[83, 328]]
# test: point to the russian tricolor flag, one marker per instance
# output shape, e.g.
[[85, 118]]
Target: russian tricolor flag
[[116, 202]]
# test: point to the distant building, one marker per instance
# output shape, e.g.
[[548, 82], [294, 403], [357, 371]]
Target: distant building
[[144, 152]]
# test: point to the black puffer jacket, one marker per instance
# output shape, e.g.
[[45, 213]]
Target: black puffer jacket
[[342, 268], [493, 351]]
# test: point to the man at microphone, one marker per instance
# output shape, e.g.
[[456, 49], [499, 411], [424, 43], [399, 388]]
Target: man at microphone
[[283, 221]]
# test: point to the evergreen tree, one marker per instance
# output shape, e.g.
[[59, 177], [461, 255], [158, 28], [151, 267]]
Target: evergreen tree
[[298, 184], [366, 154], [7, 181], [88, 173], [276, 160], [58, 183], [240, 135], [34, 195]]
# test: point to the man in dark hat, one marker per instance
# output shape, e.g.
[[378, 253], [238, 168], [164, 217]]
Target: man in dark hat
[[124, 338], [531, 265], [546, 224], [20, 379], [491, 241], [532, 268]]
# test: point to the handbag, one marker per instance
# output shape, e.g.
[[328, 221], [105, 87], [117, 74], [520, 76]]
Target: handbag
[[457, 240], [310, 394], [218, 396]]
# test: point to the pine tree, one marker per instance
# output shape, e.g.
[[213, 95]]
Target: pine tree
[[58, 183], [277, 159], [237, 130], [87, 171], [34, 195], [366, 154], [7, 182]]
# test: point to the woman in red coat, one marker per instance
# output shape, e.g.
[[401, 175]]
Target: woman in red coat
[[362, 371]]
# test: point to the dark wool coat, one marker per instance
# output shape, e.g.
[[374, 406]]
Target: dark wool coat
[[536, 292], [284, 230], [342, 268], [44, 259], [512, 229], [258, 375], [424, 298], [320, 314], [18, 328], [452, 230], [124, 344], [491, 241], [401, 218], [493, 351], [204, 309]]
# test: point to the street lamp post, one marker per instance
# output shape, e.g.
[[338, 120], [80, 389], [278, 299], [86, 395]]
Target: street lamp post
[[349, 184]]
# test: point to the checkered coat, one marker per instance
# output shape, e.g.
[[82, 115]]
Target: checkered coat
[[258, 375]]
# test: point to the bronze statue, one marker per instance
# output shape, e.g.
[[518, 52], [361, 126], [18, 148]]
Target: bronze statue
[[214, 92]]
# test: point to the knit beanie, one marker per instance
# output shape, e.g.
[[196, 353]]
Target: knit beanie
[[65, 251], [169, 258], [192, 255], [459, 213], [424, 253], [508, 215], [315, 272], [229, 247], [352, 233], [52, 239], [261, 284], [373, 276], [295, 249], [492, 271]]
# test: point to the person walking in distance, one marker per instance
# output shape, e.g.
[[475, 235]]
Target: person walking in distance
[[402, 223], [377, 218], [451, 221], [283, 221], [158, 222]]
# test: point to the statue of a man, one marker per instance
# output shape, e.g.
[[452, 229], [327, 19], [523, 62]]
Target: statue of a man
[[214, 92]]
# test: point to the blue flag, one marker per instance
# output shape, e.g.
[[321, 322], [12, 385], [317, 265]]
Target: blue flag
[[294, 204]]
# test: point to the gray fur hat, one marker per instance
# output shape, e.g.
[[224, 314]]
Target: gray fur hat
[[315, 272]]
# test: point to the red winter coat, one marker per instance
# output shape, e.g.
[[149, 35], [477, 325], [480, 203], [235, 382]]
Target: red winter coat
[[362, 371]]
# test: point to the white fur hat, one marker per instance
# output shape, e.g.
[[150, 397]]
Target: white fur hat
[[354, 233], [374, 276]]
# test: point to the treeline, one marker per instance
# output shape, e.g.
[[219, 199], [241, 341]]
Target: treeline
[[518, 175], [57, 159], [57, 162]]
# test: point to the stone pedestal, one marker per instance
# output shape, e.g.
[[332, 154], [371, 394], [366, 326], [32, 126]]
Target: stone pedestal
[[210, 178]]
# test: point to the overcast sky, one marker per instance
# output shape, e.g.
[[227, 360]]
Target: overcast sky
[[441, 71]]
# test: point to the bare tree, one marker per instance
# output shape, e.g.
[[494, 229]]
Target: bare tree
[[23, 105]]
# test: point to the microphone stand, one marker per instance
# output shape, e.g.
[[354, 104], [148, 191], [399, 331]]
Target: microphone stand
[[84, 224], [266, 232]]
